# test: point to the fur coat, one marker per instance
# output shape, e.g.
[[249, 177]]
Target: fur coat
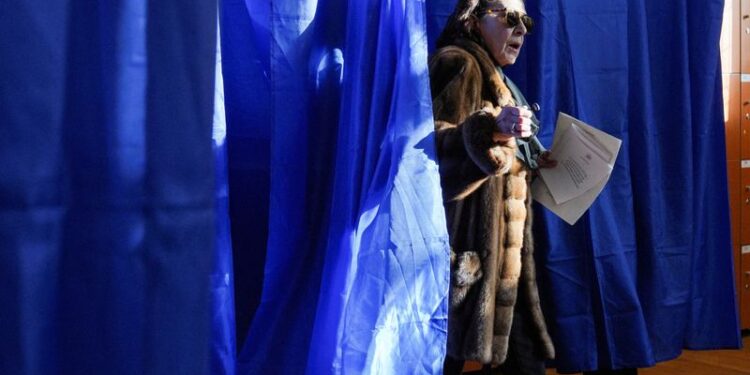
[[486, 197]]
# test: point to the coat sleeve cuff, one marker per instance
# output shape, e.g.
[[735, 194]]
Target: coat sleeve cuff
[[493, 157]]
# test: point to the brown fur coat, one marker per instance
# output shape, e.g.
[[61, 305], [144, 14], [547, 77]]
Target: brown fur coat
[[486, 196]]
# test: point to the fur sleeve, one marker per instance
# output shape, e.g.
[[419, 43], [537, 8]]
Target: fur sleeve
[[468, 147]]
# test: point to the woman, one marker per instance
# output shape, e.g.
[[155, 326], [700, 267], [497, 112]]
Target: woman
[[487, 149]]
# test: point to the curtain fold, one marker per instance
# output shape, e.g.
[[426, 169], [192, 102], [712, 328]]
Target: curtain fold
[[107, 220], [31, 160], [248, 109], [223, 328]]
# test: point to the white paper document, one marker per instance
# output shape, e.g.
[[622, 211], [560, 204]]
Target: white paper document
[[585, 158]]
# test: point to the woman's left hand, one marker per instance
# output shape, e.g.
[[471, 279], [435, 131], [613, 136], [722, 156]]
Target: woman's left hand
[[544, 160]]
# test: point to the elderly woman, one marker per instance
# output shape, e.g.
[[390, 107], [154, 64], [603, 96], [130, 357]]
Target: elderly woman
[[487, 149]]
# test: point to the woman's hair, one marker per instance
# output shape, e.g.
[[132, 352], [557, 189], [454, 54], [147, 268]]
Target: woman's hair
[[459, 24]]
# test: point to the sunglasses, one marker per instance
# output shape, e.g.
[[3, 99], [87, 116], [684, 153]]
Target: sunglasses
[[512, 18]]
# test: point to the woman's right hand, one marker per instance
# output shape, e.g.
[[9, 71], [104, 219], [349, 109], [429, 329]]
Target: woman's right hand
[[514, 121]]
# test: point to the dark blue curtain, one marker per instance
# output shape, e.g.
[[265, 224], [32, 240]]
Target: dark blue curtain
[[648, 270], [332, 170], [106, 186], [244, 57]]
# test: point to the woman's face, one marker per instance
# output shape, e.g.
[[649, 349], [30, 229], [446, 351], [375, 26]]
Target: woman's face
[[503, 42]]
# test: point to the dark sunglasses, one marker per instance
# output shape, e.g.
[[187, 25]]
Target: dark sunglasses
[[512, 18]]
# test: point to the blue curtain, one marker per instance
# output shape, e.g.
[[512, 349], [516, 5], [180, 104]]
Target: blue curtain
[[648, 270], [223, 330], [244, 57], [114, 218], [334, 119], [107, 186]]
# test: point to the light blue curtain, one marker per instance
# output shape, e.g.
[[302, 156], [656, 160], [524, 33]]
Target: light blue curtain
[[223, 329], [106, 186], [356, 268]]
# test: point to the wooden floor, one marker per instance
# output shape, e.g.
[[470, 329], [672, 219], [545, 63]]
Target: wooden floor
[[714, 362]]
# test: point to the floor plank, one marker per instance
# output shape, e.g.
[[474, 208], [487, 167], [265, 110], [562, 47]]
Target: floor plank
[[708, 362]]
